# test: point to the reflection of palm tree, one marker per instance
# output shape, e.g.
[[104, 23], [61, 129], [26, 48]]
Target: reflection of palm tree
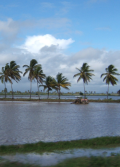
[[49, 84], [30, 68], [5, 77], [109, 76], [39, 76], [61, 81], [85, 74]]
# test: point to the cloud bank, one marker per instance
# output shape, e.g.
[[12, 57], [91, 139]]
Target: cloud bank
[[50, 52]]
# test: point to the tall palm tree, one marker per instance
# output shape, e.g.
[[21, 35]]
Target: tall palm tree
[[84, 74], [5, 77], [109, 76], [12, 70], [31, 68], [39, 76], [49, 84], [61, 81]]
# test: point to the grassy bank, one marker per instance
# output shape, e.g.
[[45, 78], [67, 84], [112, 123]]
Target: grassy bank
[[91, 162], [41, 147]]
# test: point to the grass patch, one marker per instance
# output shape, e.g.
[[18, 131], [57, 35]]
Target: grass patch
[[40, 147], [15, 164], [91, 162]]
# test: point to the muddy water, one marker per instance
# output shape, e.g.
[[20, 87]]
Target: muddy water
[[29, 122]]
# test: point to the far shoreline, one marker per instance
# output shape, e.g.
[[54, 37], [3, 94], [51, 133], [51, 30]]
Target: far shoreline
[[59, 100]]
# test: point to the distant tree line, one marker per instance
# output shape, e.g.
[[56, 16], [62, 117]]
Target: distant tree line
[[11, 72]]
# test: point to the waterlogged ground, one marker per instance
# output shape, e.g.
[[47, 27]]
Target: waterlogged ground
[[48, 159], [29, 122]]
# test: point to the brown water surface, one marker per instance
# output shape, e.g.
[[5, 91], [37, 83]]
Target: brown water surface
[[29, 122]]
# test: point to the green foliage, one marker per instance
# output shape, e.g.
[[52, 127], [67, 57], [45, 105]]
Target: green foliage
[[10, 72], [84, 74], [31, 69], [100, 142], [49, 84], [61, 81], [109, 76], [81, 93], [91, 162]]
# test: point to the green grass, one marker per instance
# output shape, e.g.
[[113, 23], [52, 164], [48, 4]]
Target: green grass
[[40, 147], [91, 162], [16, 164]]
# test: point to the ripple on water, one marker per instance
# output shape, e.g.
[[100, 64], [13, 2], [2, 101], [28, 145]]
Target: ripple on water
[[26, 122]]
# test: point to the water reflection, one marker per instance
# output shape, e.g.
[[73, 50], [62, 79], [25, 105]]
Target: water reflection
[[48, 159], [29, 122]]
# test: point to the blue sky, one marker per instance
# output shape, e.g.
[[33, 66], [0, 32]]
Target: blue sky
[[61, 35]]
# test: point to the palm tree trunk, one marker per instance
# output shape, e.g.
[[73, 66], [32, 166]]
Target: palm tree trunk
[[84, 90], [30, 88], [48, 93], [5, 89], [38, 90], [59, 92], [12, 91], [108, 91]]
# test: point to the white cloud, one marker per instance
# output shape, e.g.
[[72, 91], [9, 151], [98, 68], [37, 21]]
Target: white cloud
[[34, 44], [78, 32], [9, 26], [49, 52], [104, 28], [47, 5], [95, 1]]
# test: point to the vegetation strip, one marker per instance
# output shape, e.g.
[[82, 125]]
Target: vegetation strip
[[91, 162], [59, 100], [41, 147]]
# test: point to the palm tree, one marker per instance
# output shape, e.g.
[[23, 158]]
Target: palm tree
[[61, 81], [5, 77], [39, 76], [12, 71], [49, 84], [31, 68], [85, 74], [109, 76]]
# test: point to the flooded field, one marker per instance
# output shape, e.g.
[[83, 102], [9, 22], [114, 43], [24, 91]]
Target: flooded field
[[29, 122], [48, 159]]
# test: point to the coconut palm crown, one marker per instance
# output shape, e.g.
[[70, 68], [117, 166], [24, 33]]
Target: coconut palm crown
[[39, 76], [84, 74], [109, 76], [61, 81], [4, 77], [12, 70], [49, 84], [31, 68]]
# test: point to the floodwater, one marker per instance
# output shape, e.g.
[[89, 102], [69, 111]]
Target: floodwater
[[62, 97], [29, 122], [48, 159]]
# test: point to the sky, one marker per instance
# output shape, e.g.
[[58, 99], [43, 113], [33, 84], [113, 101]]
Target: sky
[[61, 36]]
